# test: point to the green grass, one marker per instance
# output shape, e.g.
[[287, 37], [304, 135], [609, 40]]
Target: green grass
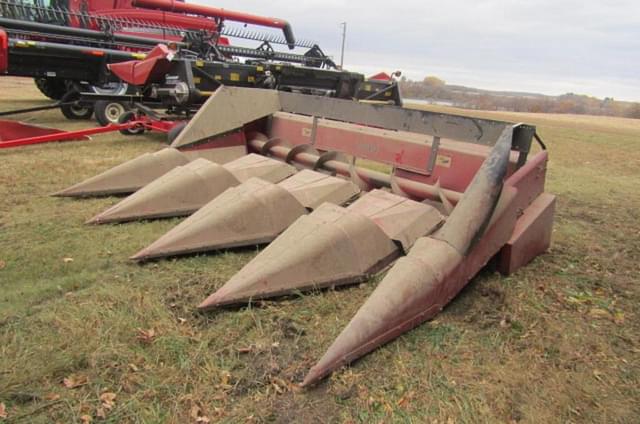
[[556, 342]]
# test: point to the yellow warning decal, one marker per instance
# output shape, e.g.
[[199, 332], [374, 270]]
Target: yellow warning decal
[[197, 80], [139, 56], [260, 69], [251, 79], [234, 76], [199, 63], [367, 87], [444, 161], [218, 77]]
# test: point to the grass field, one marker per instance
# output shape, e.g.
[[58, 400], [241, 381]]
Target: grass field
[[86, 334]]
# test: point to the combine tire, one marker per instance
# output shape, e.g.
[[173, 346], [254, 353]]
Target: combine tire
[[75, 111], [175, 131], [109, 112], [53, 88], [126, 117]]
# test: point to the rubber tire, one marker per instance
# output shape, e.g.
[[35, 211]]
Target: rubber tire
[[126, 117], [74, 112], [103, 111], [53, 88], [175, 131]]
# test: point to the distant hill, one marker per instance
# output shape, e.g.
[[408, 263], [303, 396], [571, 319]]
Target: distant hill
[[435, 90]]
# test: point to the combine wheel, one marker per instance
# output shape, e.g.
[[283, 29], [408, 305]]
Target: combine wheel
[[109, 112], [175, 131], [126, 117], [53, 88], [75, 110]]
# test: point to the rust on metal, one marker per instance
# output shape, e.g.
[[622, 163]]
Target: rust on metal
[[254, 212]]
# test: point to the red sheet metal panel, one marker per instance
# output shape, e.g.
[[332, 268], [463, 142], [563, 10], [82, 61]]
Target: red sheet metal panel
[[140, 72], [531, 236], [455, 164], [4, 51]]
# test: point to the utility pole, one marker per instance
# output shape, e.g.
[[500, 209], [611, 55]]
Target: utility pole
[[344, 38]]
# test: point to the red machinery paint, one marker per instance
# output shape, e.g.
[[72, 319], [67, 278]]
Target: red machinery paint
[[4, 51]]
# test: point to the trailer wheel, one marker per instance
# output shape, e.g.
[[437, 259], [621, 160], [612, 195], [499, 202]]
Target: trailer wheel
[[75, 110], [175, 131], [108, 112], [53, 88], [126, 117]]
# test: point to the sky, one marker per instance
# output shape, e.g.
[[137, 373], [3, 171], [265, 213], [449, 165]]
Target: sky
[[545, 46]]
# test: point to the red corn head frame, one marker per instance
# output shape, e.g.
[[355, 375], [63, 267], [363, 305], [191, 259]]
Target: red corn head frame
[[461, 192]]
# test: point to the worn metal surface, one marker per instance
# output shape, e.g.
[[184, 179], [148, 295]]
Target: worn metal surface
[[254, 212], [418, 286], [228, 109], [128, 176], [531, 236], [235, 107], [473, 130], [331, 246], [185, 189]]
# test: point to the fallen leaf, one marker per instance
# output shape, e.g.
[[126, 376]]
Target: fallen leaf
[[182, 320], [3, 264], [108, 400], [101, 413], [195, 412], [52, 396], [133, 367], [146, 336], [86, 419], [3, 411], [67, 260], [72, 381]]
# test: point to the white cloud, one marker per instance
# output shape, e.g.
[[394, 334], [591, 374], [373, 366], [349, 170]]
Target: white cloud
[[552, 46]]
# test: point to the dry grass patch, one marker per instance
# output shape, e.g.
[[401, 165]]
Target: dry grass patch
[[98, 336]]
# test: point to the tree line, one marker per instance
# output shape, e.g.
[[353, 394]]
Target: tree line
[[436, 90]]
